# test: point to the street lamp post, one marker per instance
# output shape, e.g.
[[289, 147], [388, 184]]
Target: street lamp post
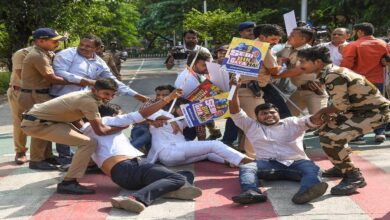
[[204, 11], [304, 11]]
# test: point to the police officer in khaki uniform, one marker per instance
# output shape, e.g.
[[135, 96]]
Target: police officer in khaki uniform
[[42, 121], [116, 54], [309, 94], [109, 59], [12, 93], [357, 107], [36, 77]]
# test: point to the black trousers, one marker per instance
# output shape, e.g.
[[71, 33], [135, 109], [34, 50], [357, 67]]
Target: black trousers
[[151, 180]]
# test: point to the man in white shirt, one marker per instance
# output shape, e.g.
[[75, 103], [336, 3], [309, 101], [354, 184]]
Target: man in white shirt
[[171, 149], [119, 160], [279, 152], [189, 80], [338, 41]]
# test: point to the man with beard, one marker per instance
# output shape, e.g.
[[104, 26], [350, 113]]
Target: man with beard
[[190, 38], [82, 67], [279, 152]]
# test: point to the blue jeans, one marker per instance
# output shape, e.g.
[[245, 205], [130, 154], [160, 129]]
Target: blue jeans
[[271, 95], [64, 151], [231, 132], [380, 130], [140, 136], [306, 171]]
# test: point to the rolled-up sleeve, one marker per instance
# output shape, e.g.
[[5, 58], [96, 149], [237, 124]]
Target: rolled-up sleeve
[[124, 120], [61, 65]]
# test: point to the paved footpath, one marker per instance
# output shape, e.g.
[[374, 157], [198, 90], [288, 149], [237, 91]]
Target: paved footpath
[[29, 194]]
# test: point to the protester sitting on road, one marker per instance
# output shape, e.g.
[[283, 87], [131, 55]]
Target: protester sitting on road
[[189, 79], [140, 134], [171, 149], [279, 152], [120, 161]]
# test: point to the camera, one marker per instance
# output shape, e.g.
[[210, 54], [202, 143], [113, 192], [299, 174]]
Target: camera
[[179, 53], [322, 34]]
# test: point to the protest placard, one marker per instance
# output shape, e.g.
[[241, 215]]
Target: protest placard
[[290, 21], [245, 56], [204, 111], [205, 89]]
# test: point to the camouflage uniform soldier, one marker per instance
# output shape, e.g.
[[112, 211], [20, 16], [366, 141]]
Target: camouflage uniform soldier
[[359, 108]]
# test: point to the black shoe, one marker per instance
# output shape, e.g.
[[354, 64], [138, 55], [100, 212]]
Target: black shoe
[[351, 181], [53, 160], [311, 193], [93, 170], [332, 172], [41, 165], [73, 187], [214, 136], [249, 197]]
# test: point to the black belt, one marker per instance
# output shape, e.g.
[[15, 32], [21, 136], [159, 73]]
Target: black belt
[[40, 91], [33, 118]]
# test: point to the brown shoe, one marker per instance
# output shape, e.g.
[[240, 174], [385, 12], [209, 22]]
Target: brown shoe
[[20, 158]]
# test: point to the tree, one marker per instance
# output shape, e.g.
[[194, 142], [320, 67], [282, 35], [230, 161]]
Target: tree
[[220, 26]]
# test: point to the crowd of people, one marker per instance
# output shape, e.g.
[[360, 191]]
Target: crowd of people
[[336, 89]]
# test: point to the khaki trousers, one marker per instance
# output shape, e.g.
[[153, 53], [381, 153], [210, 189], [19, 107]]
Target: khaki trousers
[[39, 149], [20, 138], [248, 103], [306, 99], [64, 133]]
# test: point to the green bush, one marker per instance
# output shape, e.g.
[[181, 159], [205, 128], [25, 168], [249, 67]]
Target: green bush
[[4, 80]]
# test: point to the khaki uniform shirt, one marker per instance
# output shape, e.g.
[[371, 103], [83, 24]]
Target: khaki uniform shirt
[[109, 59], [36, 65], [268, 63], [292, 54], [350, 91], [68, 108], [17, 64]]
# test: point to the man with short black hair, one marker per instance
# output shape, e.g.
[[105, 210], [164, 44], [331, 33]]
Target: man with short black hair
[[52, 121], [190, 38], [37, 76], [357, 108], [271, 33], [82, 66], [140, 134], [364, 56], [279, 152], [309, 93]]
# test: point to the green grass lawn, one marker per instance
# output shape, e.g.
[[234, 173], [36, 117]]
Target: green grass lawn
[[4, 80]]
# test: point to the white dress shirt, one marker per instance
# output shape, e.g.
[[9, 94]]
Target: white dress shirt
[[111, 145], [282, 141], [335, 54], [73, 67], [188, 85]]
